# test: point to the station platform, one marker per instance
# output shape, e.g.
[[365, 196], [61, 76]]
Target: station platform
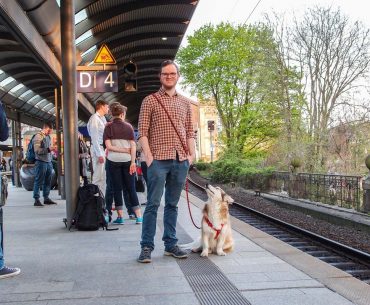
[[92, 268]]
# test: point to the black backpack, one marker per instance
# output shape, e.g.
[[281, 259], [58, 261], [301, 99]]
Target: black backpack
[[91, 213]]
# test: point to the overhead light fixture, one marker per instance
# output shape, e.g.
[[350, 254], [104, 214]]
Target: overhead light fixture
[[164, 38]]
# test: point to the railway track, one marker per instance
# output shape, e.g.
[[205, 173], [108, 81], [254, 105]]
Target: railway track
[[350, 260]]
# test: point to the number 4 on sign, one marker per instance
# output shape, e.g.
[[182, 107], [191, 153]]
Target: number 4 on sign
[[109, 80]]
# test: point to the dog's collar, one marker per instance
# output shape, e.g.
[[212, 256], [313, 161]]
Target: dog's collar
[[209, 223]]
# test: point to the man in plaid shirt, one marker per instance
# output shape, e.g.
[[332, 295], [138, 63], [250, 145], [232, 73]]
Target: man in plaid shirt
[[169, 153]]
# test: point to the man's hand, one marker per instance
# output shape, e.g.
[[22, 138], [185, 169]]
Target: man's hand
[[191, 159], [101, 159], [149, 159]]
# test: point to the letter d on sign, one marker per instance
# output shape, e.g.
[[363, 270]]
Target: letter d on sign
[[85, 79]]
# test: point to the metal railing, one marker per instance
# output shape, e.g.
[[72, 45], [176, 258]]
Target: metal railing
[[339, 190]]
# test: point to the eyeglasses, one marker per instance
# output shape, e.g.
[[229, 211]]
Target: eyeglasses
[[173, 74]]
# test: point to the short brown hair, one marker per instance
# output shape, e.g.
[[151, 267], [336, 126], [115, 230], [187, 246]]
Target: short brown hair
[[99, 104], [47, 125], [117, 109], [169, 62]]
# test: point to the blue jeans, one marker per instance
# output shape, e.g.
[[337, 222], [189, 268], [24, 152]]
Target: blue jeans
[[110, 193], [170, 174], [43, 173], [121, 179]]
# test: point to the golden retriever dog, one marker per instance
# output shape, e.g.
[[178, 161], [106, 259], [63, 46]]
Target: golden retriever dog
[[216, 236]]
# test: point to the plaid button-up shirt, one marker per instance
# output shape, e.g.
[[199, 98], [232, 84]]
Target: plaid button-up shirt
[[156, 126]]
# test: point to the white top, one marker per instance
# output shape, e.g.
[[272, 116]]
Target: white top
[[95, 127], [118, 156]]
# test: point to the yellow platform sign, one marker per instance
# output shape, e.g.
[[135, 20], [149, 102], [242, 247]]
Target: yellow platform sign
[[104, 56]]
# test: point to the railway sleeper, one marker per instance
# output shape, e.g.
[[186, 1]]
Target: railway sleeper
[[361, 273], [345, 265], [318, 253], [301, 244], [308, 248], [330, 259], [290, 239]]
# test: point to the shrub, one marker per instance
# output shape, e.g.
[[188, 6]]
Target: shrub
[[202, 166], [250, 173]]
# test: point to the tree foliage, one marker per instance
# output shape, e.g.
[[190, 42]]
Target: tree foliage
[[234, 67], [333, 55]]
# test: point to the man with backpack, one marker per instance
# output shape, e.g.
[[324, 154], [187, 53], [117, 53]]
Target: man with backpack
[[43, 167], [4, 270]]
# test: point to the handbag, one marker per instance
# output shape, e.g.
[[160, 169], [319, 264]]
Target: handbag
[[139, 184]]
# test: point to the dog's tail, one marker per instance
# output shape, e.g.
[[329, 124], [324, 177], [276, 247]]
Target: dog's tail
[[195, 246]]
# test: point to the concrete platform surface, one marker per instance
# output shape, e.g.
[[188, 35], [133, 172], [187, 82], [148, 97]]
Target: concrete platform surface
[[83, 268]]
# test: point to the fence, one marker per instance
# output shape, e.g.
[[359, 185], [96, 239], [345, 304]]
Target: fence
[[342, 191]]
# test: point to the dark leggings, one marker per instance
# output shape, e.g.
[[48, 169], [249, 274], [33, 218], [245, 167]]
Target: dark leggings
[[121, 179]]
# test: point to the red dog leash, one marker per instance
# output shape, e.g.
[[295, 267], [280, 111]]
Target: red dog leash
[[187, 199]]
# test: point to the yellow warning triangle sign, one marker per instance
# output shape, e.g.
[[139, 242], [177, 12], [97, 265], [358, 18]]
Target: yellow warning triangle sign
[[104, 56]]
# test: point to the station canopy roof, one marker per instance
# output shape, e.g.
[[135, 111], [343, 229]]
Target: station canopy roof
[[142, 32]]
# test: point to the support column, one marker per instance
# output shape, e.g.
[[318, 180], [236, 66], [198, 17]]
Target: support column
[[17, 149], [70, 106], [18, 128], [58, 129], [15, 171]]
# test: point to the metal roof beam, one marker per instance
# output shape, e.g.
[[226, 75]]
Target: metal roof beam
[[99, 38], [18, 21], [92, 21]]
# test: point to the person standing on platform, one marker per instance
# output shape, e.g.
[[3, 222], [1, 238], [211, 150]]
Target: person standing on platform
[[120, 142], [3, 165], [83, 155], [43, 165], [96, 126], [110, 194], [167, 138], [4, 270]]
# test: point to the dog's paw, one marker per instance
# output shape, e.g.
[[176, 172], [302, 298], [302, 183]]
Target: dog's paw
[[221, 253], [204, 253]]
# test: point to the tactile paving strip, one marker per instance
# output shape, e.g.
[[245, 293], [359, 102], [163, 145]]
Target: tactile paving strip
[[210, 285]]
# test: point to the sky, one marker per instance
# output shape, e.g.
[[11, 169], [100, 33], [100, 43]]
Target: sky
[[238, 11]]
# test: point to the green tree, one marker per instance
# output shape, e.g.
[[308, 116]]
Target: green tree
[[286, 83], [333, 55], [234, 66]]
